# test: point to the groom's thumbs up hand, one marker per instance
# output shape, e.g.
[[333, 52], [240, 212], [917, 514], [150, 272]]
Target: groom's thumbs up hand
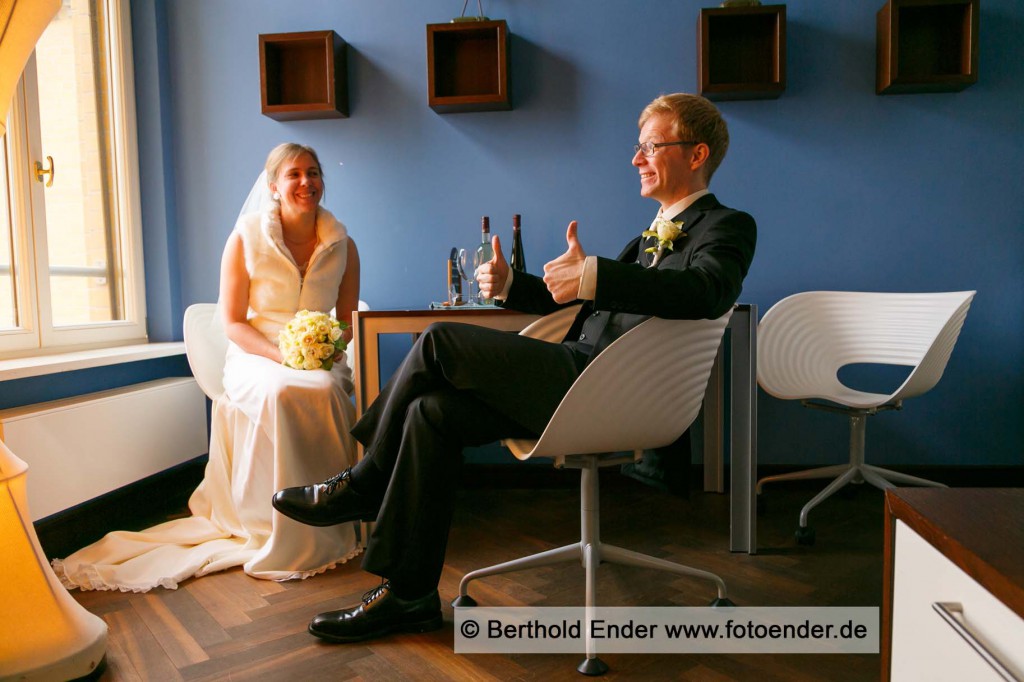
[[562, 275], [492, 274]]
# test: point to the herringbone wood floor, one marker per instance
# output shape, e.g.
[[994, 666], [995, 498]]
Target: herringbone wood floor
[[228, 626]]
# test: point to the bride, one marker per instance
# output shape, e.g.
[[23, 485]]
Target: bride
[[275, 427]]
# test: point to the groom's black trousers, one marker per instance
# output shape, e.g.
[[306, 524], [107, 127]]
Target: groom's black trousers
[[460, 385]]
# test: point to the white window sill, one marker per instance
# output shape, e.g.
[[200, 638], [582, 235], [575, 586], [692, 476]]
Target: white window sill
[[40, 365]]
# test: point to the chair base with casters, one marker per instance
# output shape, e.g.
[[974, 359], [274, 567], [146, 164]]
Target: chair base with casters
[[856, 471], [590, 551]]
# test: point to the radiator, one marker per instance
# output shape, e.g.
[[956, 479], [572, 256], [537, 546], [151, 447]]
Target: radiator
[[82, 447]]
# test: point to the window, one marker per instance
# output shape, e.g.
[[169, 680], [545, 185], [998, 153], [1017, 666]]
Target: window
[[70, 232]]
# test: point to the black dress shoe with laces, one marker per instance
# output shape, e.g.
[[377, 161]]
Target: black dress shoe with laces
[[379, 614], [326, 504]]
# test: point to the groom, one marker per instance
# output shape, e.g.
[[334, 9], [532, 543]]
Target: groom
[[466, 385]]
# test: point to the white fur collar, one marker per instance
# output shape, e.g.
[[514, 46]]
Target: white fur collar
[[329, 230]]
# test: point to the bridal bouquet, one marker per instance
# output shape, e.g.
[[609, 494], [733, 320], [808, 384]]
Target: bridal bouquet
[[311, 340]]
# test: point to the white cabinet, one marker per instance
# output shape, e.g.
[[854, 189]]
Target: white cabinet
[[954, 585], [924, 645]]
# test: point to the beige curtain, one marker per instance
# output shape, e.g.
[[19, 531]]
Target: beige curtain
[[21, 24]]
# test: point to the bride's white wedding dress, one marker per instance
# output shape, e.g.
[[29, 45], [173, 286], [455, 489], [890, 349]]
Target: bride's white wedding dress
[[274, 427]]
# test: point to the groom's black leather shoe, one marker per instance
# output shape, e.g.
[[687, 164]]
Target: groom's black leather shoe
[[328, 503], [380, 613]]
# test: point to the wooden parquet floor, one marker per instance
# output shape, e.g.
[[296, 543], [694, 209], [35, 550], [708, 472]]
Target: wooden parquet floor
[[228, 626]]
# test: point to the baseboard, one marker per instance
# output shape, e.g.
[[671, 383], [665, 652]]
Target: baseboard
[[165, 495], [953, 476], [523, 476], [142, 504]]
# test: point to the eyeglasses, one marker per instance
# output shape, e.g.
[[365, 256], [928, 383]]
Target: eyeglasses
[[648, 148]]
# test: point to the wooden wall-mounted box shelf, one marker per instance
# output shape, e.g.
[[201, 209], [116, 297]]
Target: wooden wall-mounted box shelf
[[467, 66], [741, 52], [302, 76], [926, 46]]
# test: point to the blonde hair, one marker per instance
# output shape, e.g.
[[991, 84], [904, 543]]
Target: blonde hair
[[286, 151], [694, 118]]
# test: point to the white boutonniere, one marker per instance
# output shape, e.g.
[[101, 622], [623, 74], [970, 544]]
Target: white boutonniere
[[666, 232]]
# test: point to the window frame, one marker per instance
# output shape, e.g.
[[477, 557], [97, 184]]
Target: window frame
[[36, 335]]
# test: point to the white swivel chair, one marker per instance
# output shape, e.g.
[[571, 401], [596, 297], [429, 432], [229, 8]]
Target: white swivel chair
[[805, 339], [643, 391], [206, 346]]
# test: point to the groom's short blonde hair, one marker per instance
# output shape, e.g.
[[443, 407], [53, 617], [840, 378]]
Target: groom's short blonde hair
[[693, 118]]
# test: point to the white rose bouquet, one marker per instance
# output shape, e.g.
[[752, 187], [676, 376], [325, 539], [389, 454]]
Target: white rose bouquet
[[667, 232], [311, 340]]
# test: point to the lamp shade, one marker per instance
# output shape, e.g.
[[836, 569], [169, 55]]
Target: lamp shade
[[44, 633], [21, 24]]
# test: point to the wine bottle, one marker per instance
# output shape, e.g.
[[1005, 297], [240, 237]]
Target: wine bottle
[[484, 253], [518, 261]]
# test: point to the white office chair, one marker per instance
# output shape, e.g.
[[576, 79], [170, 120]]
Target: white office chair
[[206, 346], [805, 339], [643, 391]]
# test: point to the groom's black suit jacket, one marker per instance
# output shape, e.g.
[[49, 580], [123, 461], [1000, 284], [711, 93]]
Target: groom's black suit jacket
[[700, 278]]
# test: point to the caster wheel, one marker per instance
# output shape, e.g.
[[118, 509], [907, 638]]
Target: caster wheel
[[463, 600], [592, 667], [805, 536]]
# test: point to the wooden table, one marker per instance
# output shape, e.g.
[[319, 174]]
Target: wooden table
[[368, 325]]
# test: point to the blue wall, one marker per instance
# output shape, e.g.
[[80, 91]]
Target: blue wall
[[850, 190]]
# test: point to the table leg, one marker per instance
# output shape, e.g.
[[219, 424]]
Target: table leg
[[714, 468], [743, 431]]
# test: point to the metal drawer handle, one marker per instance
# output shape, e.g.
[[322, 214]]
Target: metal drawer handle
[[953, 613]]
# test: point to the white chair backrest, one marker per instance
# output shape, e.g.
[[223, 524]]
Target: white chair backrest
[[206, 346], [643, 391], [804, 339]]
